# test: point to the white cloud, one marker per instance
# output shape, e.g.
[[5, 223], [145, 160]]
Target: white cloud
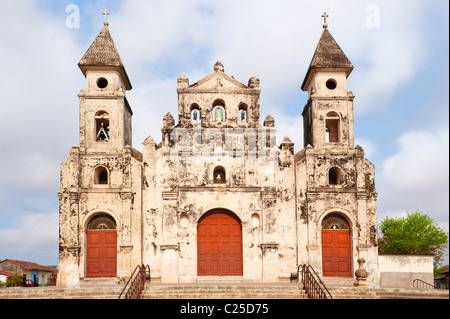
[[417, 176], [370, 149], [39, 107], [32, 236]]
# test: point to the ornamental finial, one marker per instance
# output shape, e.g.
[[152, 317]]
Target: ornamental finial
[[106, 13], [325, 16]]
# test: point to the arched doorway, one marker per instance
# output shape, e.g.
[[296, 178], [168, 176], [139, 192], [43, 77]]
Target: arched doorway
[[219, 244], [101, 247], [336, 246]]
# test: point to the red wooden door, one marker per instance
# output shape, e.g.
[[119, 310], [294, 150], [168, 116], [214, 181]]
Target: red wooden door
[[101, 254], [219, 245], [336, 253]]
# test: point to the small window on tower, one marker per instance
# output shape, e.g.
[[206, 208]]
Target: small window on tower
[[102, 83], [102, 127], [334, 176], [219, 175], [331, 84], [332, 127], [101, 176]]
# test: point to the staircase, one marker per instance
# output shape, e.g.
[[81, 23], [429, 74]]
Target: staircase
[[387, 293], [88, 292], [223, 291], [219, 291]]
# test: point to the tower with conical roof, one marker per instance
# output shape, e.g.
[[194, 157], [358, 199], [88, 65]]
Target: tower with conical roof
[[105, 115], [328, 116], [340, 195], [100, 193]]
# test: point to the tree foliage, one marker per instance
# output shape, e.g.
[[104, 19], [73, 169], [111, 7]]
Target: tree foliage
[[416, 234]]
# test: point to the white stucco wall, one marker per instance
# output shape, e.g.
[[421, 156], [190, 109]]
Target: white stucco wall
[[402, 270]]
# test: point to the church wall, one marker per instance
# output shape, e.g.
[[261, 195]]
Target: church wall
[[177, 195], [354, 198], [81, 199]]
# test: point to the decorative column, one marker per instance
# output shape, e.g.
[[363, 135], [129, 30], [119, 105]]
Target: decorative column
[[170, 247], [270, 262], [125, 266], [72, 268], [169, 269]]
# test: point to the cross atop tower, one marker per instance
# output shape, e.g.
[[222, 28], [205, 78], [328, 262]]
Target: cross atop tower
[[325, 16], [106, 13]]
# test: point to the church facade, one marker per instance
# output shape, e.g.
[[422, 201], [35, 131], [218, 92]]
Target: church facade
[[217, 198]]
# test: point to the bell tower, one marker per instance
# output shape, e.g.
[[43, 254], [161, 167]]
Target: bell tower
[[100, 193], [328, 115], [105, 115], [339, 181]]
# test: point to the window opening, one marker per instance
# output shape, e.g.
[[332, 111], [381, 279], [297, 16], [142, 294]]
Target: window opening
[[335, 221], [332, 127], [334, 176], [219, 175], [331, 84], [103, 133], [242, 114], [219, 113], [101, 176], [195, 114], [102, 83], [102, 222]]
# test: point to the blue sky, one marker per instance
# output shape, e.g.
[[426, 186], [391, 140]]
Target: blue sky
[[400, 51]]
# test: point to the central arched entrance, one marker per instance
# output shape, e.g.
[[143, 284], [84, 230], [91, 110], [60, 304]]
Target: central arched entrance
[[219, 244], [101, 247], [336, 246]]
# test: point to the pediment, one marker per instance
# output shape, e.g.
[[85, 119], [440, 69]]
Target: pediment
[[217, 81]]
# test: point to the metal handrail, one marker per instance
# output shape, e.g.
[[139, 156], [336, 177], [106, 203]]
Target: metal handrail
[[418, 283], [136, 283], [312, 284]]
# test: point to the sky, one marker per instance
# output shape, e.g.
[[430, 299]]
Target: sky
[[400, 51]]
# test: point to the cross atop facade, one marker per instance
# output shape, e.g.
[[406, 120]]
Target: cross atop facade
[[325, 16], [106, 13]]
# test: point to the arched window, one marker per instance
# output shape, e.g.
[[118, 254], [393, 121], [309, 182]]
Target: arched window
[[335, 221], [334, 176], [101, 176], [102, 222], [242, 113], [219, 175], [195, 113], [332, 127], [102, 133], [219, 112]]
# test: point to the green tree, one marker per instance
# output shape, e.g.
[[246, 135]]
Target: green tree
[[416, 234]]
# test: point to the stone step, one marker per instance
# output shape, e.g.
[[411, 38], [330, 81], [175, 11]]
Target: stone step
[[225, 296], [61, 293], [387, 293], [223, 292]]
